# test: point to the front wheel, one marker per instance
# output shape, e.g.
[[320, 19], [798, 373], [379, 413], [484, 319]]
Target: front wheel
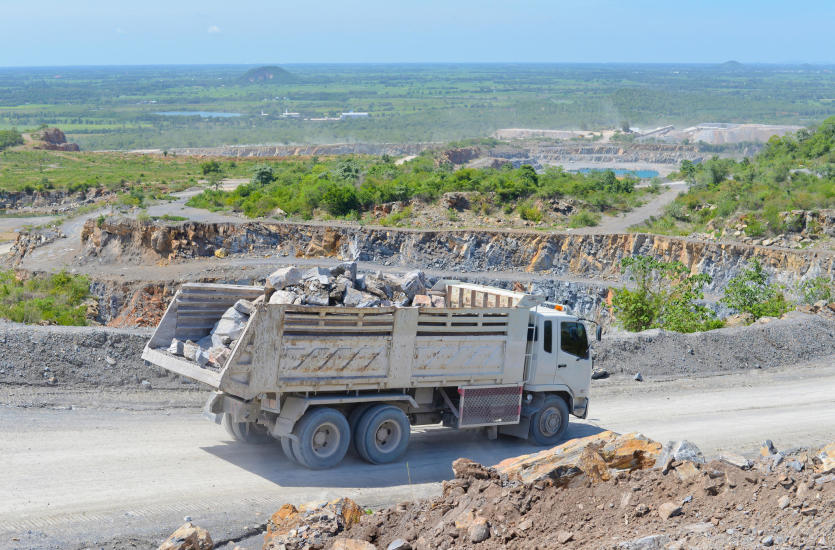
[[246, 432], [550, 421], [323, 436]]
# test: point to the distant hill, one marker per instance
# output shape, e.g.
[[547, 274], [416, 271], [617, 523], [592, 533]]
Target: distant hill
[[271, 74], [732, 65]]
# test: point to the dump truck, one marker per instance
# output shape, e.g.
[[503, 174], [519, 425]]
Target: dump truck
[[326, 379]]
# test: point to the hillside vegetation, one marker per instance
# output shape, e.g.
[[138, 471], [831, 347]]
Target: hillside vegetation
[[351, 187], [795, 172]]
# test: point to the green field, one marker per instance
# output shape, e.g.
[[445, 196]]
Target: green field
[[115, 107]]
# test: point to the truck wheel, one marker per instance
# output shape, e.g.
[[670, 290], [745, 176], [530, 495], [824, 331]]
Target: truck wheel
[[354, 421], [324, 436], [548, 424], [246, 432], [286, 447], [382, 434]]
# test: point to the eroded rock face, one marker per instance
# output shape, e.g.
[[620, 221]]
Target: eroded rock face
[[593, 256]]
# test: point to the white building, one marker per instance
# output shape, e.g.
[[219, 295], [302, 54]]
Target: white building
[[352, 114]]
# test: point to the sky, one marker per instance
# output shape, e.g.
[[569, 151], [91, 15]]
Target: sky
[[151, 32]]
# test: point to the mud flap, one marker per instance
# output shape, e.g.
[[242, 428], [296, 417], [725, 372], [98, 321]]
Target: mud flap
[[581, 407], [214, 403]]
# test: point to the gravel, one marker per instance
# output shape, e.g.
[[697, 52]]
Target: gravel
[[661, 354], [78, 356]]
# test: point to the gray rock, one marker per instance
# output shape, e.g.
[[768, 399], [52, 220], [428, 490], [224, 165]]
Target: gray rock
[[354, 297], [110, 361], [316, 299], [598, 374], [413, 283], [796, 465], [176, 347], [685, 450], [767, 541], [348, 269], [145, 385], [399, 544], [320, 274], [231, 324], [736, 460], [767, 444], [479, 532], [652, 542], [283, 297], [284, 277], [359, 281], [638, 377], [244, 306]]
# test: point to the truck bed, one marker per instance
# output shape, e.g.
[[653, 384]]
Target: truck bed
[[288, 348]]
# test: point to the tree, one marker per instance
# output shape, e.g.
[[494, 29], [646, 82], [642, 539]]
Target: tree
[[341, 199], [665, 297], [262, 175], [209, 167], [750, 292]]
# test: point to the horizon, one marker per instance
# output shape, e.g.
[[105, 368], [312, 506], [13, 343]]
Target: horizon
[[189, 32]]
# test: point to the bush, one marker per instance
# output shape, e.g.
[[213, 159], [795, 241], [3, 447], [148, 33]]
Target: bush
[[814, 290], [584, 218], [666, 297], [56, 299], [750, 292], [339, 200], [529, 212]]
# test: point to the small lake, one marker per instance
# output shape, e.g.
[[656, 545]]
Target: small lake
[[641, 174], [201, 114]]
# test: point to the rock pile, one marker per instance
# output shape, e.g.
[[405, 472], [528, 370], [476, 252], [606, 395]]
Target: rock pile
[[340, 286], [621, 492], [311, 525]]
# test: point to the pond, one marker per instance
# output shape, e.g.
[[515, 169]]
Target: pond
[[201, 114]]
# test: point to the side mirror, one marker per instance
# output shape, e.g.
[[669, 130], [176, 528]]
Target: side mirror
[[598, 333]]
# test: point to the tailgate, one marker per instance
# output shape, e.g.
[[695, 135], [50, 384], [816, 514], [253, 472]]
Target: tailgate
[[191, 315]]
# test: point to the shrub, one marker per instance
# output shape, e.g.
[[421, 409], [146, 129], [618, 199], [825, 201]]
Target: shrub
[[340, 199], [584, 218], [814, 290], [750, 292], [529, 212], [53, 298], [665, 297]]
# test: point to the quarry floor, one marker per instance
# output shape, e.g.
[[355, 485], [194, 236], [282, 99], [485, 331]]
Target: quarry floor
[[121, 468]]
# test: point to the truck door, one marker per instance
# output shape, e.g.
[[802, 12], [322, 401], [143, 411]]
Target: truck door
[[573, 356]]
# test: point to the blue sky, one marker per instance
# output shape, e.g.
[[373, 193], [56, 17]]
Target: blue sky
[[112, 32]]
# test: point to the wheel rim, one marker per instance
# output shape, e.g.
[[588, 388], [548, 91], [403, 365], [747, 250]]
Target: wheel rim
[[550, 422], [325, 440], [387, 436]]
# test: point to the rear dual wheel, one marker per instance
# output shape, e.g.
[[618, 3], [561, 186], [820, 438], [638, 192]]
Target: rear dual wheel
[[382, 434]]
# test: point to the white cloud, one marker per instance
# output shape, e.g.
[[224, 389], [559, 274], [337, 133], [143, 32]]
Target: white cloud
[[120, 30], [214, 29]]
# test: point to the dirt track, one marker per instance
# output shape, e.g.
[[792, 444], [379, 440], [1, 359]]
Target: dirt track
[[128, 463]]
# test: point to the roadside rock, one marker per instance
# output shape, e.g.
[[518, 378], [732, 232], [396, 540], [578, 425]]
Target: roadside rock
[[188, 537]]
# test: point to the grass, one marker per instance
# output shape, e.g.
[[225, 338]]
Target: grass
[[584, 218], [56, 299]]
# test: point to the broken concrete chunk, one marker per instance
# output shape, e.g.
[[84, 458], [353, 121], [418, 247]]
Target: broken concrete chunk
[[283, 297], [284, 277], [244, 306]]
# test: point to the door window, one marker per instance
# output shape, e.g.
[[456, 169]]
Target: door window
[[573, 339], [546, 337]]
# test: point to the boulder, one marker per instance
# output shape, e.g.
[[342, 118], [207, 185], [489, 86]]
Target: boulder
[[413, 283], [668, 510], [244, 306], [283, 297], [188, 537], [231, 324], [286, 276], [824, 459], [348, 269], [566, 461]]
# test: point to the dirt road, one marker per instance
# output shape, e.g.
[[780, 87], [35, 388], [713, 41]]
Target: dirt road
[[654, 207], [111, 466]]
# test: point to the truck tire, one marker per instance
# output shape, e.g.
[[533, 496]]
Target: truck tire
[[382, 434], [353, 422], [549, 422], [287, 448], [246, 432], [323, 438]]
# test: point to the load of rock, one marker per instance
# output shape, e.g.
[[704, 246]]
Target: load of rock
[[340, 286]]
